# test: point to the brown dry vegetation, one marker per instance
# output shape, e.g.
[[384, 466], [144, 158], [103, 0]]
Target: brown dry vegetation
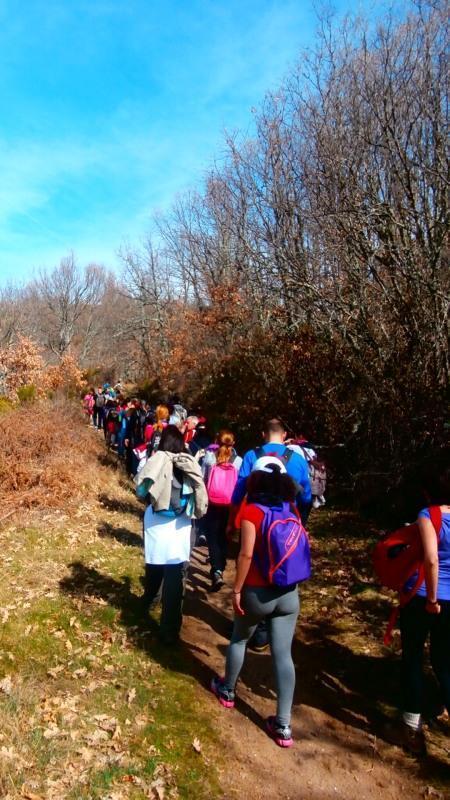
[[46, 458]]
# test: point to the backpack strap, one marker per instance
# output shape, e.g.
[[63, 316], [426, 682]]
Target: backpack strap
[[285, 457], [305, 454], [436, 519], [405, 597]]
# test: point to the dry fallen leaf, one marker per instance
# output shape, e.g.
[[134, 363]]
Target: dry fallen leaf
[[6, 685], [131, 696], [80, 673], [55, 670], [27, 795], [51, 732], [157, 790], [196, 744]]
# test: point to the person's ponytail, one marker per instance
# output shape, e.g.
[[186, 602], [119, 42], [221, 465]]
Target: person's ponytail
[[162, 415], [226, 447]]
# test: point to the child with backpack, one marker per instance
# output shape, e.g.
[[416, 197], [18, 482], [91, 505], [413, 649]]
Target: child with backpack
[[274, 556], [153, 432], [220, 471], [99, 409], [88, 404], [111, 423]]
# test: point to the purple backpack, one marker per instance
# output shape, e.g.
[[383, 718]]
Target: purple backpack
[[284, 557]]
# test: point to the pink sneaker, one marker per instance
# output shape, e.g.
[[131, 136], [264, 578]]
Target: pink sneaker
[[281, 734], [224, 695]]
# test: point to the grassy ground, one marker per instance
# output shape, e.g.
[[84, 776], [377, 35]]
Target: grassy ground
[[87, 709]]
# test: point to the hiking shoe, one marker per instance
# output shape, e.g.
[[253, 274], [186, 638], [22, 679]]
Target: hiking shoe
[[217, 580], [225, 696], [259, 642], [259, 647], [281, 734], [412, 740], [403, 735]]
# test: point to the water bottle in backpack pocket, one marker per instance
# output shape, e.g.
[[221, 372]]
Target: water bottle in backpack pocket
[[283, 556]]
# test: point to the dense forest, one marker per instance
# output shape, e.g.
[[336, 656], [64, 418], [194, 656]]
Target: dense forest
[[307, 276]]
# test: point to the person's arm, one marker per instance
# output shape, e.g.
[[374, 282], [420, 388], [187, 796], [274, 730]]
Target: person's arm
[[304, 497], [248, 536], [240, 489], [431, 563], [208, 462]]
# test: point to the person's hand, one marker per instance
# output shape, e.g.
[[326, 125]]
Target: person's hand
[[237, 604], [432, 608], [229, 531]]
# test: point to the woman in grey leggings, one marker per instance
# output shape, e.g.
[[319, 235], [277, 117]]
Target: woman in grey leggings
[[254, 599]]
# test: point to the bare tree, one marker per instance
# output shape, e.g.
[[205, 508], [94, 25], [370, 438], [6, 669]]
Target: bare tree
[[68, 294]]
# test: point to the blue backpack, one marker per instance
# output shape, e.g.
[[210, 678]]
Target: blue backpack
[[284, 556]]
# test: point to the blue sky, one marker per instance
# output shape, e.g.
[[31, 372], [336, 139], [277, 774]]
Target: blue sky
[[109, 108]]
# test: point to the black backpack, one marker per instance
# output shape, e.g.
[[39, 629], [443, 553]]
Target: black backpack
[[283, 457]]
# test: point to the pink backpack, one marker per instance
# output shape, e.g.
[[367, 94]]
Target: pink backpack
[[221, 482]]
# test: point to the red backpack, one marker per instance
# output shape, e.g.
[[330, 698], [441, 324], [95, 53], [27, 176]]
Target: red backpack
[[399, 556]]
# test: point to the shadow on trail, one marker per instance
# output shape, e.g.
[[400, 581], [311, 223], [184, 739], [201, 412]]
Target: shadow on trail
[[120, 534], [122, 506], [108, 459], [348, 687], [330, 676], [142, 631]]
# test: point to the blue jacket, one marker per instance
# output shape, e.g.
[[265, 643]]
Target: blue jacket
[[296, 467]]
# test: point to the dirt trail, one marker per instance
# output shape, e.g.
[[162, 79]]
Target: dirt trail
[[335, 755]]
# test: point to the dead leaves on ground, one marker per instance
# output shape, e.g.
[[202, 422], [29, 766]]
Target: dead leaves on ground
[[58, 717]]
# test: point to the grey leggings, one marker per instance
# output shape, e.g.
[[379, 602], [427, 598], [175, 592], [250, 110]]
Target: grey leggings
[[281, 608]]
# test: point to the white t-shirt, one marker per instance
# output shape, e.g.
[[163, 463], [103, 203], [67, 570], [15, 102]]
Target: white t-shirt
[[167, 540]]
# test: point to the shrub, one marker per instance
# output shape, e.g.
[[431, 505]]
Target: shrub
[[5, 405], [46, 458], [26, 394]]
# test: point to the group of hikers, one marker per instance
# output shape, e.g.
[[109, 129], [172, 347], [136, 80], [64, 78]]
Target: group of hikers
[[198, 490]]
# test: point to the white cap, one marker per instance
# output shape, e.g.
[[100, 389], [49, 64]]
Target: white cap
[[268, 464]]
